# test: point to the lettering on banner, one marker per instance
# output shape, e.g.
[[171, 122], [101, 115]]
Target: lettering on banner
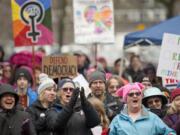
[[59, 66]]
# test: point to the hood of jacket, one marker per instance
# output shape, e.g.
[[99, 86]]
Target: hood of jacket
[[8, 89]]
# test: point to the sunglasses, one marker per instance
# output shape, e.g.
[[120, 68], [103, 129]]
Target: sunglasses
[[67, 89], [150, 102], [134, 93]]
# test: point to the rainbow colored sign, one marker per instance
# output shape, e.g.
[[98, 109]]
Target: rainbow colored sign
[[32, 22]]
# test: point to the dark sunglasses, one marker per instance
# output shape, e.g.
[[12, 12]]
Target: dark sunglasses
[[134, 93], [150, 102], [68, 89]]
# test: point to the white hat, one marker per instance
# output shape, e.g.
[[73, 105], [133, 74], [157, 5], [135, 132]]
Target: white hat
[[153, 92], [45, 82]]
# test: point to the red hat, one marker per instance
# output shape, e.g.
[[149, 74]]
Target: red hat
[[175, 93]]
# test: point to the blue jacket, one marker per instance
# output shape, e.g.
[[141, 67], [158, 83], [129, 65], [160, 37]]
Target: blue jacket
[[147, 124], [32, 95]]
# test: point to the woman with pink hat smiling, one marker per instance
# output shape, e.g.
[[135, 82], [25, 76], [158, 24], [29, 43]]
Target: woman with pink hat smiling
[[135, 119]]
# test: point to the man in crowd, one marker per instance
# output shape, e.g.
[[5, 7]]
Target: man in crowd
[[23, 81], [97, 84]]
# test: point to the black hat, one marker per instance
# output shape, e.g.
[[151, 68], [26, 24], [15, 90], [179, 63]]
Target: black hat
[[22, 72], [64, 81], [8, 89]]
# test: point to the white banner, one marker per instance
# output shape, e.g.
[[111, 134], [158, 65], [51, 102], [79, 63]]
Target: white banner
[[93, 21], [169, 61]]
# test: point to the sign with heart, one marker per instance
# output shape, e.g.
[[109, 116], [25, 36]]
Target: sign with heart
[[93, 21]]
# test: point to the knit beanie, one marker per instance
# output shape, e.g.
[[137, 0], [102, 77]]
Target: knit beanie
[[96, 75], [22, 72], [123, 91], [175, 93], [45, 82], [64, 81]]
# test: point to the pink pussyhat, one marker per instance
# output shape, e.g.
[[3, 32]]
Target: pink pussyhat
[[123, 91]]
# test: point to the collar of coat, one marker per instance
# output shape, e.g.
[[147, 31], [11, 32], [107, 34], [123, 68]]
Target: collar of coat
[[144, 113]]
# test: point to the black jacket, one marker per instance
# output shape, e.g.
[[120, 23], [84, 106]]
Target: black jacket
[[14, 121], [68, 121], [38, 115], [112, 105]]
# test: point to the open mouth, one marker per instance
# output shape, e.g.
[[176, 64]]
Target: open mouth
[[68, 97], [135, 101], [9, 102]]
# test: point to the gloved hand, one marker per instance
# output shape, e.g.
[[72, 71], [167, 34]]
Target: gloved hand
[[74, 97], [82, 96], [25, 127]]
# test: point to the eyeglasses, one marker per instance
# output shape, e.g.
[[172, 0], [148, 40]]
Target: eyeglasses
[[134, 93], [68, 89], [150, 102]]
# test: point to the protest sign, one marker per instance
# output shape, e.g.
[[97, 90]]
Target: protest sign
[[93, 21], [59, 66], [169, 60], [32, 22]]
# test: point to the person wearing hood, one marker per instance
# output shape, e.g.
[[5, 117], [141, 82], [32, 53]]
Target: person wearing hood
[[135, 119], [155, 101], [46, 96], [12, 120], [67, 117]]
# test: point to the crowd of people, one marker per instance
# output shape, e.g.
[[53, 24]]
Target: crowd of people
[[131, 103]]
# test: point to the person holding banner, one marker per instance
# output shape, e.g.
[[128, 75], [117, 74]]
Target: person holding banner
[[172, 119], [68, 116]]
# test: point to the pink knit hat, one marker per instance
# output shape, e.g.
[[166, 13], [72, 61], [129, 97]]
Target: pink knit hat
[[123, 91]]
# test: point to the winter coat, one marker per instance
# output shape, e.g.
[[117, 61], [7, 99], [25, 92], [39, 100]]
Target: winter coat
[[68, 121], [112, 105], [14, 121], [160, 112], [147, 124], [136, 76], [32, 95], [38, 115], [173, 121]]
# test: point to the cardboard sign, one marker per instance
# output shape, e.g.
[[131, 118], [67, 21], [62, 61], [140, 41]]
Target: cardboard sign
[[93, 21], [169, 61], [59, 66]]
